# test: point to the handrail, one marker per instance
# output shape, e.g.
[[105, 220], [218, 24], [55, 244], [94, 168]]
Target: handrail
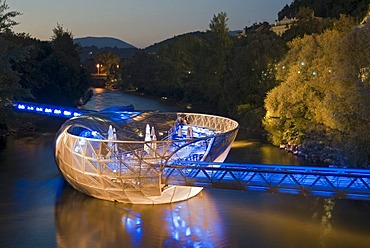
[[306, 180]]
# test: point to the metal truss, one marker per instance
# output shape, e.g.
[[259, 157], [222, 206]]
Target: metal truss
[[128, 168], [339, 183]]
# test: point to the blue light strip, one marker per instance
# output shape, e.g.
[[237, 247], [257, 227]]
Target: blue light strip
[[38, 108]]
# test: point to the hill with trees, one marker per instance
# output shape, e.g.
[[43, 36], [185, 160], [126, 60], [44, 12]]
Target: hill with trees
[[291, 88], [102, 42]]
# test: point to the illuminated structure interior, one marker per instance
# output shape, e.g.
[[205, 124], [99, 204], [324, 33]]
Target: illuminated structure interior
[[119, 155]]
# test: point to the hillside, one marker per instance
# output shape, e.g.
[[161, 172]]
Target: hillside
[[102, 42]]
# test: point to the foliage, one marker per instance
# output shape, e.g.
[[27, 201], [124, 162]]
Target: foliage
[[190, 69], [109, 64], [324, 93], [250, 74], [212, 71], [307, 23], [10, 88], [140, 72], [328, 8], [53, 70], [218, 26], [6, 17]]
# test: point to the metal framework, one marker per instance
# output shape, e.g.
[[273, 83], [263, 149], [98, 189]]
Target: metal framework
[[116, 156], [320, 181]]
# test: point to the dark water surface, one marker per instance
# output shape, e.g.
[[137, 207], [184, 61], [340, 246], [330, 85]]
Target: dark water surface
[[37, 208]]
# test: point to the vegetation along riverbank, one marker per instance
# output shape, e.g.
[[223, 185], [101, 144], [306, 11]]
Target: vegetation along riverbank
[[302, 82]]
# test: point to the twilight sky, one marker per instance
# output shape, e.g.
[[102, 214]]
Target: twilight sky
[[138, 22]]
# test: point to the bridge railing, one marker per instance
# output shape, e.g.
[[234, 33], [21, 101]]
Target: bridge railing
[[319, 181]]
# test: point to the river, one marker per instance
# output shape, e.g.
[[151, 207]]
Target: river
[[38, 209]]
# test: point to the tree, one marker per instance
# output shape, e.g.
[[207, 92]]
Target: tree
[[250, 74], [328, 8], [6, 18], [141, 72], [306, 24], [10, 53], [323, 100], [218, 25], [109, 64], [62, 42], [66, 78]]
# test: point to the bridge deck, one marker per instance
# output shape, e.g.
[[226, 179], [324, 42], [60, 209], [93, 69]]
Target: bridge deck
[[320, 181]]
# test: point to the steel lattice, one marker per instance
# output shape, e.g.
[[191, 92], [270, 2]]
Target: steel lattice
[[333, 182]]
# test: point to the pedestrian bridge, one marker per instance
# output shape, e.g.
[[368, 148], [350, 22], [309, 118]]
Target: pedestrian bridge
[[341, 183]]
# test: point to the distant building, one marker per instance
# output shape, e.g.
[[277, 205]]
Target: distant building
[[256, 27], [283, 25]]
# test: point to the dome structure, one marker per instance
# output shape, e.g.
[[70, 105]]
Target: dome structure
[[119, 155]]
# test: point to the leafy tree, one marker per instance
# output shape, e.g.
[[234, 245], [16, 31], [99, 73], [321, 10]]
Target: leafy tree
[[190, 69], [108, 60], [31, 69], [322, 101], [215, 55], [6, 17], [10, 88], [141, 72], [62, 42], [306, 23], [218, 26], [109, 64], [66, 79], [328, 8], [250, 74]]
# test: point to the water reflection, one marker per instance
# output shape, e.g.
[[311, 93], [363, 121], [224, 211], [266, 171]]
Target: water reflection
[[83, 221], [326, 219], [104, 98], [36, 211], [259, 152], [217, 218]]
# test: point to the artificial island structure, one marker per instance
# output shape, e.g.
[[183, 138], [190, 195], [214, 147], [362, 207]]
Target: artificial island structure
[[149, 157], [119, 155]]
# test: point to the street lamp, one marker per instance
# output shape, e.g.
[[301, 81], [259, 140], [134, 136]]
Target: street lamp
[[98, 66]]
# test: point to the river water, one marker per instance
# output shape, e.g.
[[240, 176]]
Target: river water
[[38, 209]]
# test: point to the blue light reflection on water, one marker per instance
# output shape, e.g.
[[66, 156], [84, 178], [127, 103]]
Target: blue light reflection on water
[[193, 223], [36, 210]]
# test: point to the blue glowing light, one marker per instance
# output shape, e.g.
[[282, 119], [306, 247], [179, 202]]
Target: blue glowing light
[[176, 236], [49, 110]]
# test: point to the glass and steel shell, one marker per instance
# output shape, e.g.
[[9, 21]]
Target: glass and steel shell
[[120, 155]]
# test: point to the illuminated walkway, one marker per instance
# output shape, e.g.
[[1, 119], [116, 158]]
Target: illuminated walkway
[[316, 181]]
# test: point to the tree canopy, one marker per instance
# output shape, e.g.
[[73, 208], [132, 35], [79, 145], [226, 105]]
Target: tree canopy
[[328, 8], [7, 17], [323, 100]]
